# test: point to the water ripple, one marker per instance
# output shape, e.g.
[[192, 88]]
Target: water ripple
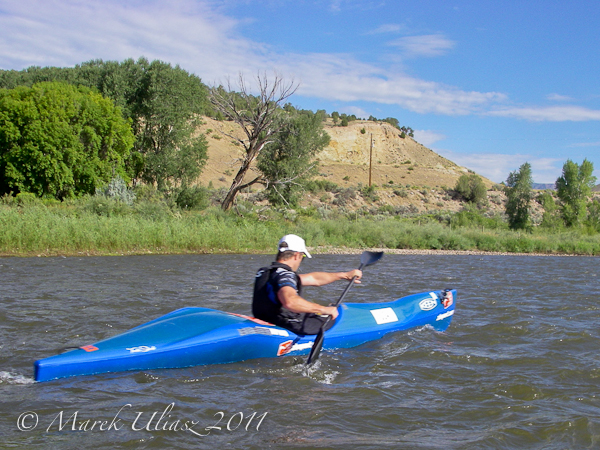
[[518, 367]]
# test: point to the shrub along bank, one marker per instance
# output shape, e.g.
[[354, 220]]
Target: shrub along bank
[[99, 225]]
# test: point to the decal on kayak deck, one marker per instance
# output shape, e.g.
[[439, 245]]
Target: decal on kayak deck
[[384, 315], [428, 304], [444, 315], [264, 331], [448, 300], [289, 346], [141, 349], [89, 348]]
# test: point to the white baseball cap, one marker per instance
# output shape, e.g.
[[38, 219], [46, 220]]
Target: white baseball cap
[[293, 243]]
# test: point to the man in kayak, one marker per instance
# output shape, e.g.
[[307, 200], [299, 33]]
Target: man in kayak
[[278, 290]]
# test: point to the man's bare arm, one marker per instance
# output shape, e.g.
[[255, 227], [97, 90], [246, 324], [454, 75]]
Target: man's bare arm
[[323, 278], [290, 299]]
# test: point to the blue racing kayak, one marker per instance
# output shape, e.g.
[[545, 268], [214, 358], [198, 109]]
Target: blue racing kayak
[[198, 336]]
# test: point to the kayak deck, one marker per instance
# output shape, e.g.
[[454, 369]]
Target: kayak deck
[[199, 336]]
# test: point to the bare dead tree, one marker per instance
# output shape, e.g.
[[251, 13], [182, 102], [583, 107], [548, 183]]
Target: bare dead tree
[[258, 117]]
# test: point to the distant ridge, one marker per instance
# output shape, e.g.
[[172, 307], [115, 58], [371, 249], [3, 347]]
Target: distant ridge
[[542, 186], [597, 188]]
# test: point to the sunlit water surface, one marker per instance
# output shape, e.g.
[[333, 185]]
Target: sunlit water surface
[[517, 369]]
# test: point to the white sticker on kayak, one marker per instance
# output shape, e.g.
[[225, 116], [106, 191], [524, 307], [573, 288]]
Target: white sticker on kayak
[[428, 304], [289, 346], [278, 332], [384, 315], [444, 315], [141, 348]]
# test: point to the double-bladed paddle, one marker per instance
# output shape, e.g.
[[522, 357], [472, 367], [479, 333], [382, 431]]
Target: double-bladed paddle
[[366, 259]]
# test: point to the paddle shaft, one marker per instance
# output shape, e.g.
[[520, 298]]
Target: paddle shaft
[[366, 259], [339, 300]]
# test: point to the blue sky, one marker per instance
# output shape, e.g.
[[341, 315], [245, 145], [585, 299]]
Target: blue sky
[[487, 84]]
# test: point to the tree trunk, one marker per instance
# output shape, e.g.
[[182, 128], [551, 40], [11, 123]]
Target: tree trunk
[[235, 188], [255, 115]]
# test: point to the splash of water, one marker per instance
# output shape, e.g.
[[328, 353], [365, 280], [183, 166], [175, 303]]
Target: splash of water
[[11, 378]]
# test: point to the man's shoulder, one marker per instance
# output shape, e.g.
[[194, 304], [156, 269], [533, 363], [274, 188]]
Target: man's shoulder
[[284, 272], [283, 276]]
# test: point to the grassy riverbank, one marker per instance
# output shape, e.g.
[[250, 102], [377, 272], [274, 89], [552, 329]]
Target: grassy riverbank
[[83, 228]]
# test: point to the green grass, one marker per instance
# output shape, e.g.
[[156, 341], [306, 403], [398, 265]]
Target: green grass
[[78, 228]]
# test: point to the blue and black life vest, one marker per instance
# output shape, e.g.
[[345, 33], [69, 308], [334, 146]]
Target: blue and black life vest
[[265, 304]]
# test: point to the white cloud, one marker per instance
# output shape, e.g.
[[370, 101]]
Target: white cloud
[[341, 77], [586, 144], [67, 32], [559, 98], [209, 44], [549, 114], [357, 111], [428, 138], [497, 166], [427, 45], [195, 35], [386, 28], [336, 5]]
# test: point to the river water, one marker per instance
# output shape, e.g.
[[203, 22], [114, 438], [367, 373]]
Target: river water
[[518, 368]]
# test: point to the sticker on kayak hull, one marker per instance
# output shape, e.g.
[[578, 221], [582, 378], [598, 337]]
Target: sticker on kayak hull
[[289, 346], [264, 331], [89, 348], [384, 315], [141, 349], [444, 315]]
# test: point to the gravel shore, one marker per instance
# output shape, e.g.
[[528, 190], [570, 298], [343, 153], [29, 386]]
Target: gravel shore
[[356, 251], [313, 250]]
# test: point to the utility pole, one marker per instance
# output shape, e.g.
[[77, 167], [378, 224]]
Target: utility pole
[[371, 160]]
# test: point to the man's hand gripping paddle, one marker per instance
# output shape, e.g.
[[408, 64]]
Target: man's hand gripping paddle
[[366, 259]]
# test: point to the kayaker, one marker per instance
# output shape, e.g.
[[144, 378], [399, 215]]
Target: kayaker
[[278, 290]]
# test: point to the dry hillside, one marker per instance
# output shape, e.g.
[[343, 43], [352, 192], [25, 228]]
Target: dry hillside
[[396, 163]]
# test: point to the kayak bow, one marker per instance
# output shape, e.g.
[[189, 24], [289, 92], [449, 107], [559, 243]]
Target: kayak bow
[[199, 336]]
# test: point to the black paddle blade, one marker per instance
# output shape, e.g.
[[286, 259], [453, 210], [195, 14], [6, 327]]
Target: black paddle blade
[[368, 258], [316, 348]]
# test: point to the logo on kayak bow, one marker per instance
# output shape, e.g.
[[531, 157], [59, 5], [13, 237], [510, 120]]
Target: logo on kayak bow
[[141, 349], [289, 346], [445, 315], [428, 304]]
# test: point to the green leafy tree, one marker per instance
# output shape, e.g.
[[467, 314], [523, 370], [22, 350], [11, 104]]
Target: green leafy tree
[[408, 130], [335, 116], [573, 188], [550, 217], [593, 218], [58, 140], [393, 122], [471, 188], [519, 193], [288, 162], [163, 103], [165, 117]]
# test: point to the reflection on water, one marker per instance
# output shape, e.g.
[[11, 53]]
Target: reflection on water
[[518, 367]]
